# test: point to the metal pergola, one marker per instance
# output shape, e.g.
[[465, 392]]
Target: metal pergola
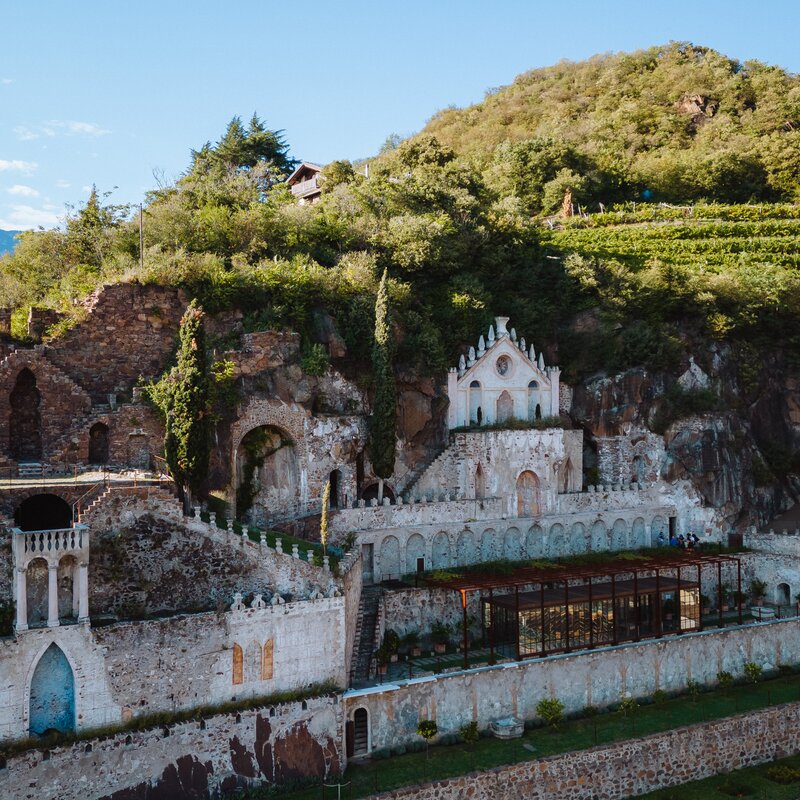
[[476, 579]]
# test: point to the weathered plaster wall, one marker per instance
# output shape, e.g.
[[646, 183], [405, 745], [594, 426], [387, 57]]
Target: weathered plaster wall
[[136, 668], [188, 760], [634, 767], [352, 583], [597, 678], [554, 455]]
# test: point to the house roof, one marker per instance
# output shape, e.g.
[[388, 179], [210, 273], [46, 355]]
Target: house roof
[[303, 165]]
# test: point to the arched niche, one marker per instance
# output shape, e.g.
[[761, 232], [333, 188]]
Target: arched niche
[[267, 472], [52, 694], [528, 501]]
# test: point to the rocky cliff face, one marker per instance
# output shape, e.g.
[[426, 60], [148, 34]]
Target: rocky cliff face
[[730, 426]]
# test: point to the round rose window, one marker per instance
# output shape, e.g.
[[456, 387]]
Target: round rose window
[[503, 365]]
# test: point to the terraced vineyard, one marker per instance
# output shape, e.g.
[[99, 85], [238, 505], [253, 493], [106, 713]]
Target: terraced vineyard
[[710, 237]]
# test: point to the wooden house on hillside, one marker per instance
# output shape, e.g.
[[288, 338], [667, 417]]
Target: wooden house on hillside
[[304, 182]]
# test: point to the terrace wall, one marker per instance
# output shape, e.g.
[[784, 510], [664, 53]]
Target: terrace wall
[[187, 760], [588, 678], [633, 767]]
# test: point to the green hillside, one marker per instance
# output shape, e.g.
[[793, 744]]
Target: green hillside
[[680, 122], [698, 241]]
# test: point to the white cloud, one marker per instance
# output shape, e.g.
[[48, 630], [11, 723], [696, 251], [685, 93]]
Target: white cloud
[[86, 189], [17, 165], [27, 217], [6, 81], [55, 127], [21, 190], [62, 184]]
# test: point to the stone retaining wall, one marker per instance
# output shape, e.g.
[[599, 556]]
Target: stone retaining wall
[[631, 768], [587, 678], [187, 760]]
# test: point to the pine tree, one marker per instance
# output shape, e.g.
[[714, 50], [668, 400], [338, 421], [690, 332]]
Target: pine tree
[[382, 423], [185, 401]]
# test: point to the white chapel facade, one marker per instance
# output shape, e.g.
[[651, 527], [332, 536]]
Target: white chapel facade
[[501, 380]]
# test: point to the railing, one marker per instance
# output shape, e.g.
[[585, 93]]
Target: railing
[[304, 187], [81, 503], [55, 540]]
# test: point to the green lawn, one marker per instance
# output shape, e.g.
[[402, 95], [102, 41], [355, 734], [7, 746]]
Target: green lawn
[[382, 774], [752, 782]]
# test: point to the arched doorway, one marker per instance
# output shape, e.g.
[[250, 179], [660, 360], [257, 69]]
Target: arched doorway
[[98, 443], [43, 512], [566, 476], [505, 407], [52, 698], [475, 415], [25, 422], [360, 732], [528, 494], [67, 588], [783, 594]]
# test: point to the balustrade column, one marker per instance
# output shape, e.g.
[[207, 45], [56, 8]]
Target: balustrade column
[[83, 589], [22, 599], [52, 595]]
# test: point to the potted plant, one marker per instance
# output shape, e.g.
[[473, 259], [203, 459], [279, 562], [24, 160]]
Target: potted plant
[[759, 590], [391, 641], [726, 591], [411, 640], [441, 637], [382, 656]]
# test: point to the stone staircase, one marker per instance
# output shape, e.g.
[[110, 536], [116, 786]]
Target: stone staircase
[[364, 640], [164, 492], [448, 464]]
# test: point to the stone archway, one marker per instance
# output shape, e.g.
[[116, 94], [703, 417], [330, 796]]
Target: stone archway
[[25, 421], [389, 559], [52, 695], [43, 512], [528, 494], [268, 475], [415, 553]]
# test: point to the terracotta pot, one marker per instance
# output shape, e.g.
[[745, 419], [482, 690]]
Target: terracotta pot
[[416, 652], [440, 648], [382, 669]]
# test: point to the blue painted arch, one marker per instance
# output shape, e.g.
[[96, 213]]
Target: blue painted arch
[[52, 696]]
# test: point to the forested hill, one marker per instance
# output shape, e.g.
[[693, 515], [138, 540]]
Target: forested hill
[[677, 122], [466, 219]]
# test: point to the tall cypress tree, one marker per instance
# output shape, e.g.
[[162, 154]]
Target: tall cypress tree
[[382, 423], [185, 402]]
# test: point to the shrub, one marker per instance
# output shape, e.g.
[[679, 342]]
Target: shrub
[[551, 710], [469, 732], [315, 360], [659, 697], [694, 689], [628, 706], [782, 773], [753, 671], [725, 680], [427, 729]]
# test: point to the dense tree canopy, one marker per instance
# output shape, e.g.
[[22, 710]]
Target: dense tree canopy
[[465, 220]]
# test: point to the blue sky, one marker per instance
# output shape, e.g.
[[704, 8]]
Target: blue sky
[[106, 93]]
